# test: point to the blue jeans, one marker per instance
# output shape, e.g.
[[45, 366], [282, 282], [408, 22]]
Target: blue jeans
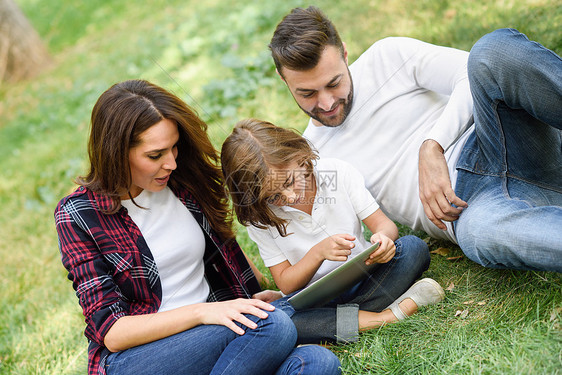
[[337, 321], [510, 170], [215, 349]]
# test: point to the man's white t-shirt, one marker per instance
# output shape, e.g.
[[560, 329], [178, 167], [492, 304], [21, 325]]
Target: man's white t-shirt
[[405, 91], [177, 244], [340, 204]]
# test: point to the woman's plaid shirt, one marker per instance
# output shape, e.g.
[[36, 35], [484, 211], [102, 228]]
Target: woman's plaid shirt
[[114, 273]]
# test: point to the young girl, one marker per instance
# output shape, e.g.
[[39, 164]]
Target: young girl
[[305, 215]]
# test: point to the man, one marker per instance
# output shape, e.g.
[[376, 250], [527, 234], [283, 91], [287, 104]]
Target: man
[[403, 114]]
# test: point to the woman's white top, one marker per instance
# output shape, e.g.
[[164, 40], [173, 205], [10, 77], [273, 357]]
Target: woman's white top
[[177, 244]]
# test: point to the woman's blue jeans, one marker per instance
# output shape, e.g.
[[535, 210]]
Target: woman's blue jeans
[[215, 349], [337, 321], [510, 170]]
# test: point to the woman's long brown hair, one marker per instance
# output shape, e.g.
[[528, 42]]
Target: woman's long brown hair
[[119, 117]]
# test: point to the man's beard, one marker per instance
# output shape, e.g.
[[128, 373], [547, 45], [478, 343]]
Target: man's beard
[[347, 103]]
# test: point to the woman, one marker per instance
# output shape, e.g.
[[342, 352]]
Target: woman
[[148, 245]]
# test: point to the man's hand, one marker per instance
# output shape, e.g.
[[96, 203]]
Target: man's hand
[[436, 193]]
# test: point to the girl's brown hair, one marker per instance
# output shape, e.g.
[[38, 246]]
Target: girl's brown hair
[[119, 117], [247, 157]]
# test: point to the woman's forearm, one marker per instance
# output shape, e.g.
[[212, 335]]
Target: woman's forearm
[[133, 330]]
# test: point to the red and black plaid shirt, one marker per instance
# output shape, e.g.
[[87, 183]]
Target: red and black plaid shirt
[[114, 273]]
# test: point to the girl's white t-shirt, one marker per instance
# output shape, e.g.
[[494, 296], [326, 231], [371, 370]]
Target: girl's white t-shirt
[[340, 205], [177, 244]]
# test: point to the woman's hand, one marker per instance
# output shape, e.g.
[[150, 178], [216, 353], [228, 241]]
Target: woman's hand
[[133, 330], [336, 247], [386, 250], [228, 312]]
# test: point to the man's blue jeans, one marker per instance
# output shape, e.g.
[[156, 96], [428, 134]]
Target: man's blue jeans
[[510, 170], [215, 349], [337, 321]]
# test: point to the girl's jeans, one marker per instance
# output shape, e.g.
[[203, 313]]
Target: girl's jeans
[[337, 321]]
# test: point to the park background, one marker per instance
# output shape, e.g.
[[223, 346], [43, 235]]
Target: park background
[[213, 54]]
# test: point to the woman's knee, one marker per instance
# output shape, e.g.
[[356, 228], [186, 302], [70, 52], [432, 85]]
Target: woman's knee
[[280, 327], [311, 359]]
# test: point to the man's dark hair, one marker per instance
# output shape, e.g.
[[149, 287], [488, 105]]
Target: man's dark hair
[[300, 39]]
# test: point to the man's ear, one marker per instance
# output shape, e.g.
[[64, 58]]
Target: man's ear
[[345, 53], [280, 76]]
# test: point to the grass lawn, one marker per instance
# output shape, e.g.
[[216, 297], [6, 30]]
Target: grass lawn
[[214, 55]]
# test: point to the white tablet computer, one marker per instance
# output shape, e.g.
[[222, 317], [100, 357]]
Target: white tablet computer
[[336, 282]]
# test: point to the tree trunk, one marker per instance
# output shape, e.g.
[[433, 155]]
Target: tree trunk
[[22, 54]]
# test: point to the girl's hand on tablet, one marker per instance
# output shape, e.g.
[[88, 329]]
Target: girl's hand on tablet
[[386, 250]]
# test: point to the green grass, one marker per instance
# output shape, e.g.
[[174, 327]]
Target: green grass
[[213, 54]]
